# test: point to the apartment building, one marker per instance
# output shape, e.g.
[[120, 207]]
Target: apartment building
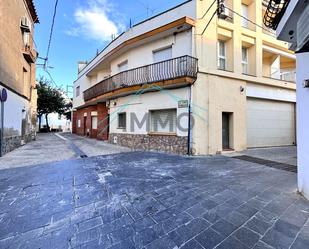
[[17, 71], [169, 84]]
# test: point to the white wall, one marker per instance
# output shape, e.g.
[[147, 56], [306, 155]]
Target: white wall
[[137, 57], [143, 55], [269, 92], [142, 104], [303, 124], [13, 113]]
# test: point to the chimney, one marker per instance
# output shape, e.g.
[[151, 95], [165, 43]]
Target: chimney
[[81, 65]]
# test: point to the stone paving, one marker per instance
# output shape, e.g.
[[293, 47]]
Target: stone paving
[[152, 201]]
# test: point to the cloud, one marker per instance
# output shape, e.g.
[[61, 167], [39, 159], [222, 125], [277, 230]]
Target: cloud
[[94, 21]]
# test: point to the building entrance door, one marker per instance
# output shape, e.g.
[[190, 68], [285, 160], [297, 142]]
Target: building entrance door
[[225, 130]]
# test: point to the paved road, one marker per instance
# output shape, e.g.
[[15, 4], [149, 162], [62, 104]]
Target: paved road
[[152, 201], [52, 147]]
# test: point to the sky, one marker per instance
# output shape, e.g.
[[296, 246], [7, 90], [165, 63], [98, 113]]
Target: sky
[[82, 27]]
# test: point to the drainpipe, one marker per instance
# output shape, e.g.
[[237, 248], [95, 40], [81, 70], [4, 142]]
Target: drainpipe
[[189, 146]]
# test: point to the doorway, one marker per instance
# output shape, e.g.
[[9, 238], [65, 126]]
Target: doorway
[[226, 131], [85, 126]]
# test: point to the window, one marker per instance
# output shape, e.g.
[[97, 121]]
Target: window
[[163, 121], [122, 120], [162, 54], [77, 91], [221, 55], [78, 123], [245, 13], [94, 122], [244, 60], [123, 66]]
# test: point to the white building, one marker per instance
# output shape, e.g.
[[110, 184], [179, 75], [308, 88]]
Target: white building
[[236, 79], [292, 25]]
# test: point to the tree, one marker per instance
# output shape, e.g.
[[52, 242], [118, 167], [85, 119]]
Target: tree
[[50, 100]]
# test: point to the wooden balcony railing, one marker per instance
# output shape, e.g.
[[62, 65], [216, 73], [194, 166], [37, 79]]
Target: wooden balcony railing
[[184, 66]]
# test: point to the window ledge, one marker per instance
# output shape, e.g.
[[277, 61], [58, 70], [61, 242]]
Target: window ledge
[[162, 134]]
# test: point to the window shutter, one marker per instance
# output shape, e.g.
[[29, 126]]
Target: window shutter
[[163, 121], [162, 55]]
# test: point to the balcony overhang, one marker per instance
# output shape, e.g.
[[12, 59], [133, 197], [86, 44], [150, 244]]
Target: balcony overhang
[[180, 25], [141, 89], [30, 55]]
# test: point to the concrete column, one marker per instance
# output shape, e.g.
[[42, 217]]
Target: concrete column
[[302, 73], [103, 121]]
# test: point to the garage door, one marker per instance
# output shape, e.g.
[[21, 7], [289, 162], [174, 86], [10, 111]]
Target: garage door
[[270, 123]]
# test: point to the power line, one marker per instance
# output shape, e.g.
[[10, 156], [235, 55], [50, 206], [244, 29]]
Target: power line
[[213, 15], [51, 32], [208, 9]]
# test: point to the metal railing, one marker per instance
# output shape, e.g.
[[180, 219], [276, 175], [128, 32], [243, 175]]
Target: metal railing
[[184, 66]]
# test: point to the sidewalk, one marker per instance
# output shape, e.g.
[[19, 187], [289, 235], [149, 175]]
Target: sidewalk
[[54, 147]]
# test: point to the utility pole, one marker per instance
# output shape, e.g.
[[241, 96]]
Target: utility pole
[[3, 98]]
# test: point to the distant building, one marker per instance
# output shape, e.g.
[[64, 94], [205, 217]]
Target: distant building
[[236, 79], [291, 21], [17, 70]]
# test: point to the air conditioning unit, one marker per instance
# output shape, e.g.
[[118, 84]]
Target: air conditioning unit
[[225, 14], [25, 24]]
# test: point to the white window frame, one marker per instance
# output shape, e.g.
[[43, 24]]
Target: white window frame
[[245, 13], [221, 56], [78, 123], [245, 61]]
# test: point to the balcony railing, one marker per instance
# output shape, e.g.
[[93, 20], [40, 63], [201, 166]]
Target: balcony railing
[[289, 76], [184, 66]]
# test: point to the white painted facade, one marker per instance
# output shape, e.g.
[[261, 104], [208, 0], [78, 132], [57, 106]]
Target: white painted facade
[[141, 105], [302, 73], [103, 66], [17, 109], [287, 30]]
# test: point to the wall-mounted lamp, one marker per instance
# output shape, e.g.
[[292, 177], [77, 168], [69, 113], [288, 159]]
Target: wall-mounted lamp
[[306, 83], [242, 89]]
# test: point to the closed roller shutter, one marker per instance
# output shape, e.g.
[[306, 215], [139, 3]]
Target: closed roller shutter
[[270, 123], [163, 121]]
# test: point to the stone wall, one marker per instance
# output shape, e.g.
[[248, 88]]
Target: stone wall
[[12, 142], [172, 144]]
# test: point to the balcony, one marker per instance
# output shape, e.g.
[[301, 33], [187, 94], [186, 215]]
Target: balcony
[[278, 67], [29, 53], [176, 68]]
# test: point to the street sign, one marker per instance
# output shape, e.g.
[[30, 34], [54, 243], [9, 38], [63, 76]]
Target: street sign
[[3, 95]]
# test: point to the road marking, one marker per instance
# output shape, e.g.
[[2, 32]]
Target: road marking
[[61, 137]]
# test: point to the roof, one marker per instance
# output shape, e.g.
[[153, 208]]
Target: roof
[[31, 7]]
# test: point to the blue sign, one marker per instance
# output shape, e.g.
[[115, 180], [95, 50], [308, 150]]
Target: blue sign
[[3, 95]]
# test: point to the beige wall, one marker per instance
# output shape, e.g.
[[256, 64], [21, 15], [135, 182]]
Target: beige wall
[[219, 91], [22, 100]]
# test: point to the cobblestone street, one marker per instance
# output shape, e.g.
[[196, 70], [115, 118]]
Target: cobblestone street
[[152, 201]]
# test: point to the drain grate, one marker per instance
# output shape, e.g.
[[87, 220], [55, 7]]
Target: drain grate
[[268, 163]]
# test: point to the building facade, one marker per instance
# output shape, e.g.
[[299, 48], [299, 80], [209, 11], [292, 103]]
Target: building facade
[[169, 84], [292, 25], [17, 71]]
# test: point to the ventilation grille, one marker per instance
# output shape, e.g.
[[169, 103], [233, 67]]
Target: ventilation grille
[[303, 29]]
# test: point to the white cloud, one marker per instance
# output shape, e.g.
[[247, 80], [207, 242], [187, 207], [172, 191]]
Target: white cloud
[[94, 21]]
